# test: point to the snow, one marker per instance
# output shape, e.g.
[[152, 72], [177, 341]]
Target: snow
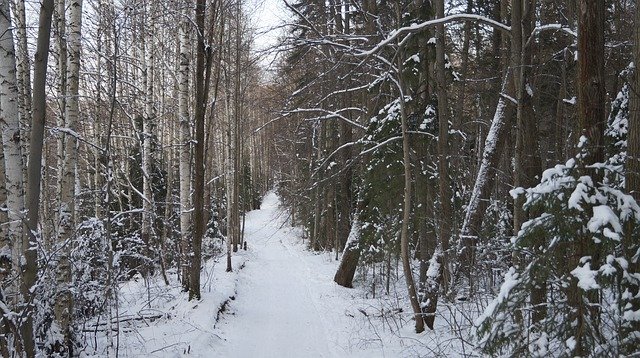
[[586, 277], [280, 301], [511, 280], [603, 215]]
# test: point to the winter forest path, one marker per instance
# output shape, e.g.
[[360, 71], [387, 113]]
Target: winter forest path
[[285, 305], [277, 312]]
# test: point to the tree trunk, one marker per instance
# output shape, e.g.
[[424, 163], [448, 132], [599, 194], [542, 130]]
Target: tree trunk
[[147, 137], [237, 152], [203, 73], [441, 254], [185, 149], [493, 150], [406, 211], [11, 142], [30, 268], [63, 310], [630, 243], [12, 190], [350, 256], [591, 121], [23, 67], [527, 159]]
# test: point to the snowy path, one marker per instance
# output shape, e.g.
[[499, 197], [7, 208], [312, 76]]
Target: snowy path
[[283, 303], [276, 313]]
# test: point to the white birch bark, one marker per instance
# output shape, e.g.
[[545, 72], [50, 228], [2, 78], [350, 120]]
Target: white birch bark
[[61, 44], [147, 137], [11, 139], [23, 67], [64, 300], [185, 150]]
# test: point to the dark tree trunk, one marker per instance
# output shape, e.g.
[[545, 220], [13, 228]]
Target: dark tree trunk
[[527, 158], [203, 74], [591, 124], [441, 256], [350, 256], [30, 270], [630, 243]]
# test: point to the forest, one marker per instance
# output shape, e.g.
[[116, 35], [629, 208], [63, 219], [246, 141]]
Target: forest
[[411, 178]]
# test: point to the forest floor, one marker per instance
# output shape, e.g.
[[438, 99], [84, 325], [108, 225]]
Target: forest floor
[[280, 301]]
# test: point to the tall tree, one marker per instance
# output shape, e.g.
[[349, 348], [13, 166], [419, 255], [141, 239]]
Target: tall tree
[[202, 82], [441, 270], [64, 300], [147, 135], [591, 125], [406, 207], [630, 243], [185, 147], [12, 164], [30, 267]]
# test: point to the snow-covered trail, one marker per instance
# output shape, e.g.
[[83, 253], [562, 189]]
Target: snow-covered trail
[[279, 301], [276, 313]]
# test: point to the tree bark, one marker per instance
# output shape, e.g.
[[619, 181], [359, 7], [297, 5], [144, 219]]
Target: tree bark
[[185, 149], [147, 137], [350, 256], [441, 254], [63, 311], [203, 74], [23, 68], [591, 121], [12, 190], [406, 208], [11, 141], [632, 181], [30, 268], [527, 159]]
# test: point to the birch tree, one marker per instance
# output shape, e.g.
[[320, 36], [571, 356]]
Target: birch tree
[[67, 224], [12, 191], [147, 136], [185, 148], [11, 141]]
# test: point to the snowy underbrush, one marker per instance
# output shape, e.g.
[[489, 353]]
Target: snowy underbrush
[[383, 323], [157, 320]]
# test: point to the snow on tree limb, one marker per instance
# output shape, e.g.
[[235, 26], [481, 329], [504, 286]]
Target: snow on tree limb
[[393, 35]]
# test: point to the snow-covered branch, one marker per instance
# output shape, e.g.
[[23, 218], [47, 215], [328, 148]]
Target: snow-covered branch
[[427, 24]]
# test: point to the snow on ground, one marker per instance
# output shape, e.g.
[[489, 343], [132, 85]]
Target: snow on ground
[[282, 303]]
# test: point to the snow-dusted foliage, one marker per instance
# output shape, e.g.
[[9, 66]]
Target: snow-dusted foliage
[[588, 230], [90, 279]]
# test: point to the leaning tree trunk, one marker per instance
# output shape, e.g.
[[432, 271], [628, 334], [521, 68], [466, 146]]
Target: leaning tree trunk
[[350, 256], [63, 309], [30, 267], [493, 149]]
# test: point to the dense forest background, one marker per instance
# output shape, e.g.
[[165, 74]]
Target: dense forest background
[[481, 155]]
